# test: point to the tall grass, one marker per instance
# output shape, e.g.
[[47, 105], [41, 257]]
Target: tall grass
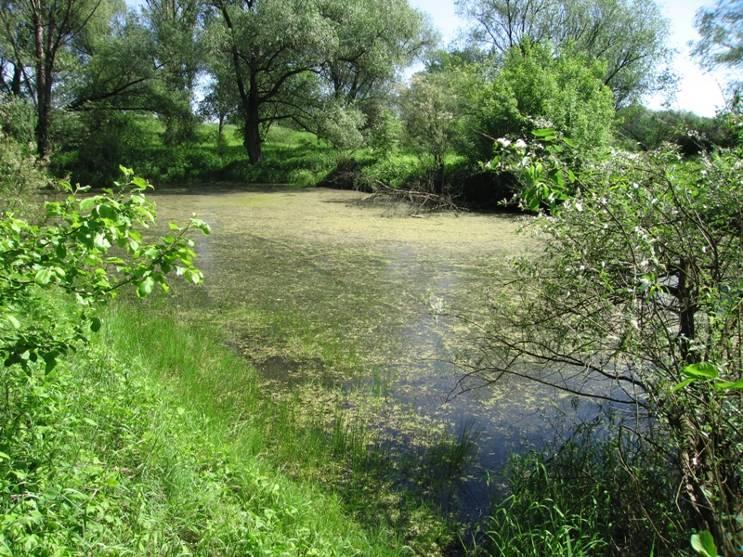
[[223, 388], [156, 440]]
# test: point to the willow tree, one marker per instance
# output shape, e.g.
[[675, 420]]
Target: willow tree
[[302, 60], [40, 33], [377, 38], [176, 27]]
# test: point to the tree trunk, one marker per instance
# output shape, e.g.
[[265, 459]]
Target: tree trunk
[[249, 101], [44, 112], [252, 131], [220, 130], [15, 85], [43, 89], [439, 175]]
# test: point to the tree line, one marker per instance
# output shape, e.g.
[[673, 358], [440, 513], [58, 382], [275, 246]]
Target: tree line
[[327, 66]]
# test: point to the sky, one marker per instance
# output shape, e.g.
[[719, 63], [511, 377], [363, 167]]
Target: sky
[[698, 91]]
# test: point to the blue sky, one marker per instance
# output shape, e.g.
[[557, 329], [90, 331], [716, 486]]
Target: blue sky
[[698, 91]]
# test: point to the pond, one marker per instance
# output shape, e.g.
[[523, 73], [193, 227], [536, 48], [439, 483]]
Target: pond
[[362, 311]]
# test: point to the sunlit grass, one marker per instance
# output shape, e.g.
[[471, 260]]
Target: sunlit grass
[[221, 387]]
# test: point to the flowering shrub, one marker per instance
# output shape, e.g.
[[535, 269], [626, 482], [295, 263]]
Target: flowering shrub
[[543, 167], [635, 299]]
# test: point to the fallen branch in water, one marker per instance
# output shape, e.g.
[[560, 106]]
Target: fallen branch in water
[[420, 200]]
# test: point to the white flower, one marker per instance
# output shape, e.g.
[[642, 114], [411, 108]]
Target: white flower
[[520, 145], [503, 141]]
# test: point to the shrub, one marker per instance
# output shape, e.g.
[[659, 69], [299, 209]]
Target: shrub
[[536, 89], [17, 120], [637, 291]]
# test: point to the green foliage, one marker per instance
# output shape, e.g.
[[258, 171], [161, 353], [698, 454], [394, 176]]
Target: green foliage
[[69, 254], [395, 170], [429, 113], [543, 168], [721, 31], [627, 36], [17, 119], [638, 283], [649, 130], [93, 143], [112, 459], [20, 173], [341, 124], [384, 132], [291, 156], [536, 89], [704, 544]]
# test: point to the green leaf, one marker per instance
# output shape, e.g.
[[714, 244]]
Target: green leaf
[[704, 544], [145, 287], [545, 134], [685, 383], [89, 203], [702, 370], [13, 321], [50, 361], [95, 324], [140, 183], [729, 385], [43, 276], [199, 224]]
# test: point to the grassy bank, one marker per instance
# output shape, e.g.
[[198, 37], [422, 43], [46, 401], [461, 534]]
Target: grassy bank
[[290, 156], [156, 440]]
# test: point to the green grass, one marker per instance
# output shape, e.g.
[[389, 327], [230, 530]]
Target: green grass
[[344, 460], [156, 440], [290, 157]]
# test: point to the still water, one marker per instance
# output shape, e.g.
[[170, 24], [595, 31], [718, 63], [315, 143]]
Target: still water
[[363, 311]]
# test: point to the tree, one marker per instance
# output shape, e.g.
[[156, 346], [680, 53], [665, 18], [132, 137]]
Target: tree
[[48, 28], [535, 89], [635, 299], [376, 38], [176, 29], [273, 47], [628, 35], [721, 43], [296, 60], [116, 71], [219, 103], [721, 30], [430, 110]]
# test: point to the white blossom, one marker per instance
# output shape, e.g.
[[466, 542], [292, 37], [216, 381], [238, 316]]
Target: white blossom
[[503, 141]]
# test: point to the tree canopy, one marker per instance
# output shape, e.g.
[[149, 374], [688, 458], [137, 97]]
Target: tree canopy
[[288, 59], [628, 35]]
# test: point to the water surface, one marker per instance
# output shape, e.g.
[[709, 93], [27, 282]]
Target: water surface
[[363, 310]]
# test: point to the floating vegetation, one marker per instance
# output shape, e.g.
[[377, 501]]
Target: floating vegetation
[[353, 316]]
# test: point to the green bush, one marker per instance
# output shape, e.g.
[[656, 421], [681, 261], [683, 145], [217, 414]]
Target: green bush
[[20, 174], [17, 119], [536, 89], [394, 170]]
